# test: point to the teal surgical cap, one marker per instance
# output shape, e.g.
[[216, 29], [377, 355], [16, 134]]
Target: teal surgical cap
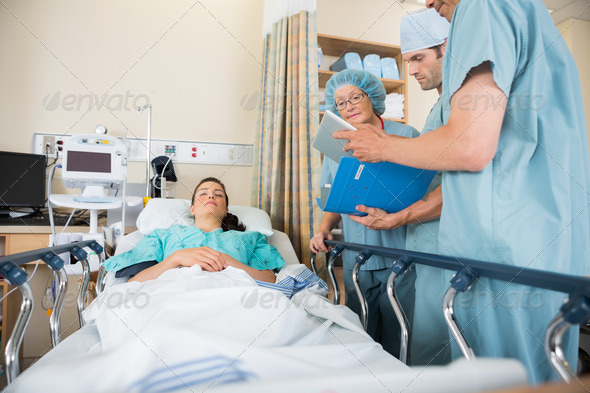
[[422, 29], [364, 80]]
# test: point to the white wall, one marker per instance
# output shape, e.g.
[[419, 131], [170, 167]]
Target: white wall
[[195, 63], [377, 21]]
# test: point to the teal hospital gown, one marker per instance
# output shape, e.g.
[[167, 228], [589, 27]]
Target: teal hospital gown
[[429, 338], [529, 206], [382, 325], [250, 248]]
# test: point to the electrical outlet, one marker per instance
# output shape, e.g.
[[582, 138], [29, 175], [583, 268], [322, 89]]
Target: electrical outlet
[[49, 145]]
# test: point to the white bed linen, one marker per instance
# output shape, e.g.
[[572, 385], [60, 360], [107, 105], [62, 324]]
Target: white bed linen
[[199, 328]]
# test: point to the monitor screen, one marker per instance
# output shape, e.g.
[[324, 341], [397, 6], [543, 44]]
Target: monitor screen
[[84, 161], [22, 183]]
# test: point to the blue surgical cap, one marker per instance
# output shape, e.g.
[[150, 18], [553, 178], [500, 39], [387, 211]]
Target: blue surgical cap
[[422, 29], [364, 80]]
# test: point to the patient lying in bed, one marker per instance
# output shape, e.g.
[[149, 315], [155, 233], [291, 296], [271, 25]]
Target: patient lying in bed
[[217, 240], [213, 327]]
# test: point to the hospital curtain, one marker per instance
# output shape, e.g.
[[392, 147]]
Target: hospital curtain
[[286, 167]]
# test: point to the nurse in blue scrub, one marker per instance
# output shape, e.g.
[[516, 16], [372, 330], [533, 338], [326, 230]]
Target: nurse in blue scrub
[[423, 36], [359, 98], [515, 154]]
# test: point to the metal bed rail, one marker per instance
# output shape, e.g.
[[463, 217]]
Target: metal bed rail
[[11, 270], [574, 311]]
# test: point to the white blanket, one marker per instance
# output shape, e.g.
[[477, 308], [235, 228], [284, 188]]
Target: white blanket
[[203, 330]]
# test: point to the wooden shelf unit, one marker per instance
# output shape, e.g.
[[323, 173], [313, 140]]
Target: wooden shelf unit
[[338, 46]]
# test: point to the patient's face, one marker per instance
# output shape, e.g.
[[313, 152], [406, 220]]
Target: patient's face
[[209, 199]]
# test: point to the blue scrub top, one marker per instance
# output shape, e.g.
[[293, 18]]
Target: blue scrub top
[[250, 248], [529, 206], [424, 236], [358, 233]]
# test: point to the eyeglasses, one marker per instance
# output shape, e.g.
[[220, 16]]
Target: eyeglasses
[[355, 99]]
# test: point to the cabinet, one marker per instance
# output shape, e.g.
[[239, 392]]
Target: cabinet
[[10, 305], [337, 46]]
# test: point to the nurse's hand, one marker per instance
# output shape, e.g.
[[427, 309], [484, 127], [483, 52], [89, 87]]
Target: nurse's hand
[[316, 244], [378, 219], [209, 259], [368, 142]]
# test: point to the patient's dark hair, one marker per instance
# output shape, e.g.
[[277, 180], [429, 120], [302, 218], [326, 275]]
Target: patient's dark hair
[[230, 222]]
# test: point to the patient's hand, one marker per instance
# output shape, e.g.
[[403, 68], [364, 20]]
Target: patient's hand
[[209, 259]]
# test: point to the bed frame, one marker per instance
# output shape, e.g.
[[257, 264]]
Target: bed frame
[[574, 311]]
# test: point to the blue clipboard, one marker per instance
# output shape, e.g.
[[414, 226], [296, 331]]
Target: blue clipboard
[[384, 185]]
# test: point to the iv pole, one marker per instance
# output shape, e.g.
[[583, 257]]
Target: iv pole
[[149, 148]]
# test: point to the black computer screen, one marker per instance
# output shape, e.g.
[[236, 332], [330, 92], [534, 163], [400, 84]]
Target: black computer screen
[[22, 179], [85, 161]]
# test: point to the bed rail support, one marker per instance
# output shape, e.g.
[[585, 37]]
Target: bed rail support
[[575, 311], [460, 283], [57, 264], [98, 249], [334, 254], [399, 267], [311, 263], [18, 277], [360, 259], [82, 256]]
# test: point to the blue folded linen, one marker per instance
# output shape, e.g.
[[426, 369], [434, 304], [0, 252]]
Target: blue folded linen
[[350, 61], [372, 64], [389, 68]]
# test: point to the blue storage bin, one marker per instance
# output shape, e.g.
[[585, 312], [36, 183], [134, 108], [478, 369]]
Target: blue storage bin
[[372, 64], [389, 68], [350, 61]]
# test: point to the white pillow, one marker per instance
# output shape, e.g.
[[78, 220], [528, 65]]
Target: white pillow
[[162, 213], [253, 218]]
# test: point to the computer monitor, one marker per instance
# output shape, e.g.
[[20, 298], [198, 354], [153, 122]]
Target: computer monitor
[[22, 182]]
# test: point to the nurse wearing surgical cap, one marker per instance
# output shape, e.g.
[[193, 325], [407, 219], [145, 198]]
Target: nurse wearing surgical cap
[[359, 98], [517, 172], [423, 35]]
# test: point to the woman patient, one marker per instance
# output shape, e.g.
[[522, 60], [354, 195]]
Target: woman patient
[[216, 241]]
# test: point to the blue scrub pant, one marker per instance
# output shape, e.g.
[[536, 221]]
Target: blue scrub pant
[[509, 320], [430, 337], [382, 324]]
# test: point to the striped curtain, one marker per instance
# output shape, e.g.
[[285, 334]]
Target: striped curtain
[[286, 167]]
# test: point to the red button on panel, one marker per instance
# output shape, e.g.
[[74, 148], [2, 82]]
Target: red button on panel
[[194, 154], [194, 149]]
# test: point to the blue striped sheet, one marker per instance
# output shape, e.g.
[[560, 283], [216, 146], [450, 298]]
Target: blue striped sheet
[[214, 370], [293, 284]]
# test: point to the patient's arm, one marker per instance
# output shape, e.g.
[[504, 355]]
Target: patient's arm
[[426, 209], [260, 275], [209, 260]]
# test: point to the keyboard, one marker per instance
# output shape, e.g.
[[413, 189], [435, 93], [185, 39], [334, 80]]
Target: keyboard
[[40, 219]]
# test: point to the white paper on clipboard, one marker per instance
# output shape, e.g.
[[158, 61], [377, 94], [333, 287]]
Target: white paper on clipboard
[[326, 143]]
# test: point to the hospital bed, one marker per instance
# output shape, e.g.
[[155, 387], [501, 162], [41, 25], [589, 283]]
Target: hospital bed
[[305, 343]]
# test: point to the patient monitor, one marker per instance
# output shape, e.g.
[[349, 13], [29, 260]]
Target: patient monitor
[[93, 162]]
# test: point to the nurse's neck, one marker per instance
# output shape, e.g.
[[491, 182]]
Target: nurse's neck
[[208, 223], [376, 121]]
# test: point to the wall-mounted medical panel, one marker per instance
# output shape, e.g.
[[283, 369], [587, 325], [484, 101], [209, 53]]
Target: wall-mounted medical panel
[[188, 152]]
